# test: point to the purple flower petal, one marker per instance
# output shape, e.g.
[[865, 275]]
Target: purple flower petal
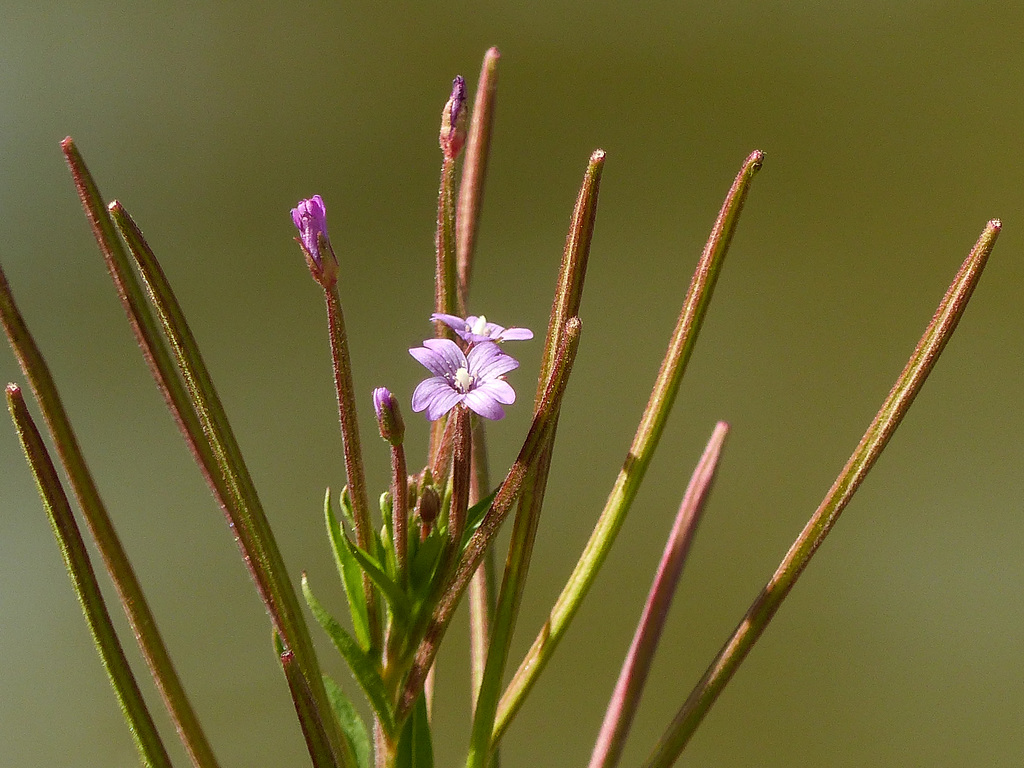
[[474, 379], [516, 334], [450, 357], [499, 389], [478, 402], [487, 361], [442, 357], [476, 328]]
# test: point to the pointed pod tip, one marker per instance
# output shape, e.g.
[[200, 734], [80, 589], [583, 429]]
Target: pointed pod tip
[[492, 53], [598, 156], [995, 224], [67, 142], [13, 390]]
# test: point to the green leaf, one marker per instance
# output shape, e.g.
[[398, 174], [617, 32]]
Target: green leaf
[[386, 509], [387, 553], [424, 563], [351, 723], [346, 506], [475, 515], [415, 749], [363, 667], [397, 599], [349, 571]]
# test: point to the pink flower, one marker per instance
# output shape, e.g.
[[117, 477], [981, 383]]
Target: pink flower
[[475, 379]]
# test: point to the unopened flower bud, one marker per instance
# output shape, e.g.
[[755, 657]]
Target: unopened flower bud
[[389, 418], [428, 505], [310, 218], [453, 120]]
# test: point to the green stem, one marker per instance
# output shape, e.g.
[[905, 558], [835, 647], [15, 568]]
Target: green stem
[[400, 512], [353, 451], [76, 559], [648, 433], [481, 587], [517, 564], [230, 477], [317, 742], [573, 270], [567, 300], [863, 458], [471, 193], [115, 559]]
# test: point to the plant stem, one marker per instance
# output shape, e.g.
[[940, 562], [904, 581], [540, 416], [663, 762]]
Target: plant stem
[[630, 685], [760, 613], [481, 588], [567, 300], [227, 472], [474, 170], [652, 424], [76, 559], [353, 450], [115, 559]]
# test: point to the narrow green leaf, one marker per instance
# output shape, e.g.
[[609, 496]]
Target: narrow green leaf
[[345, 502], [352, 725], [364, 669], [386, 553], [386, 510], [349, 571], [397, 599], [475, 515], [424, 563], [415, 747]]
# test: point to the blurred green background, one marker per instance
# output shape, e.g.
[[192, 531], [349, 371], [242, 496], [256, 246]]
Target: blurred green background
[[892, 133]]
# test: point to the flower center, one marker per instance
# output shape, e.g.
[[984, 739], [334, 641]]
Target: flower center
[[463, 380], [480, 326]]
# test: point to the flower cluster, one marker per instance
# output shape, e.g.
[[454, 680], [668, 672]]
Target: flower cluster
[[475, 377], [472, 374]]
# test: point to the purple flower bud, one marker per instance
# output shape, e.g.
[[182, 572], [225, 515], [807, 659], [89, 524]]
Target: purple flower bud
[[310, 217], [453, 120], [389, 419]]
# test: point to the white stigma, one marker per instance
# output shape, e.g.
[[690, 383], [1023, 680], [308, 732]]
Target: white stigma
[[463, 380], [480, 326]]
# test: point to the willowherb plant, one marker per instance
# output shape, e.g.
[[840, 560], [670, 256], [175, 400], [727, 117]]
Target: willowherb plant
[[405, 573]]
